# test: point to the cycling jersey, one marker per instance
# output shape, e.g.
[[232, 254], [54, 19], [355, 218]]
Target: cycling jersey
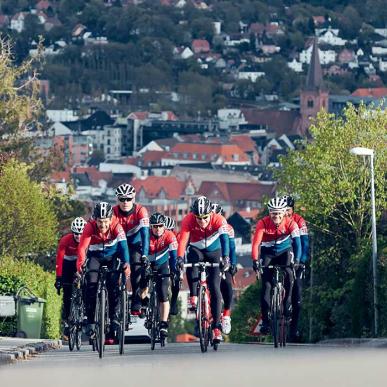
[[211, 238], [163, 248], [136, 225], [101, 246], [275, 240], [67, 250], [303, 236]]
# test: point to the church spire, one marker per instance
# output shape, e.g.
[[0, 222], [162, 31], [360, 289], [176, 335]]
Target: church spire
[[314, 79]]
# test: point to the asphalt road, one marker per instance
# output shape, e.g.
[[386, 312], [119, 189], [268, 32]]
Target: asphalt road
[[184, 365]]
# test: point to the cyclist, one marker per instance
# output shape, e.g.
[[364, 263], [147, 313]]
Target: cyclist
[[162, 256], [206, 235], [297, 287], [102, 242], [227, 277], [66, 258], [135, 221], [170, 224], [275, 236]]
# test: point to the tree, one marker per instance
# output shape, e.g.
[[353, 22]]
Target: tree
[[27, 221]]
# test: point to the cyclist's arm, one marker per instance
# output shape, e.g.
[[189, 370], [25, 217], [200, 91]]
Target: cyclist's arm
[[172, 252], [59, 257], [83, 245], [122, 246], [233, 257], [305, 248], [144, 230], [221, 224], [296, 241], [225, 244], [257, 240], [183, 238]]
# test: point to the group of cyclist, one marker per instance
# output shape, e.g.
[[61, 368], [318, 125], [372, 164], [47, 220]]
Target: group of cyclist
[[124, 237]]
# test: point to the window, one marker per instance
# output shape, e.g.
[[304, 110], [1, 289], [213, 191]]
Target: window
[[204, 156], [108, 141], [195, 156], [310, 103], [185, 155]]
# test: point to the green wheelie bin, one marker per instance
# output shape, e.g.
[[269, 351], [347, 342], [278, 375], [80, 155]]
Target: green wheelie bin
[[29, 314]]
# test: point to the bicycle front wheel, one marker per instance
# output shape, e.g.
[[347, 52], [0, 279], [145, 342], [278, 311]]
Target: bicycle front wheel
[[153, 318], [275, 316], [123, 321], [100, 321], [283, 321], [202, 318]]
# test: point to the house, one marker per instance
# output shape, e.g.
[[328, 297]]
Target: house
[[248, 145], [250, 75], [376, 92], [383, 64], [234, 40], [230, 118], [240, 196], [43, 5], [168, 195], [269, 49], [295, 65], [199, 46], [326, 56], [346, 56], [17, 21], [318, 20], [331, 37], [4, 21], [78, 31], [193, 153]]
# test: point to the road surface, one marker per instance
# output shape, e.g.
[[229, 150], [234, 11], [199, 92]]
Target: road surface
[[184, 365]]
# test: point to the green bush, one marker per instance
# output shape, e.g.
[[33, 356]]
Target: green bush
[[22, 272]]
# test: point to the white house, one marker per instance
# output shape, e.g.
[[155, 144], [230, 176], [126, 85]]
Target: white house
[[295, 66], [381, 32], [61, 115], [326, 57], [250, 75], [186, 53], [230, 118], [17, 21], [383, 64], [379, 50], [332, 38]]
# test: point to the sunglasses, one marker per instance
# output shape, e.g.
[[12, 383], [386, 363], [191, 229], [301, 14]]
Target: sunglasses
[[123, 200], [157, 225], [204, 217], [277, 213]]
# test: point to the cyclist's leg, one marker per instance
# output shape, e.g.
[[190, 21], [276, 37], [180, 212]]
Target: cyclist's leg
[[194, 256], [69, 269], [296, 300], [135, 276], [91, 288], [175, 289], [162, 286], [286, 259], [213, 281], [226, 290], [112, 284], [266, 288]]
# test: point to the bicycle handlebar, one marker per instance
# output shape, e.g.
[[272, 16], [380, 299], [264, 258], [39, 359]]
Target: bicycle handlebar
[[202, 264]]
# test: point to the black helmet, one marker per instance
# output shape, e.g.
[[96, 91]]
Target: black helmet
[[157, 218], [102, 210], [289, 200], [201, 206], [169, 223], [217, 209]]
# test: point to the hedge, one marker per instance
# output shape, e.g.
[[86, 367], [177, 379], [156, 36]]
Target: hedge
[[18, 272]]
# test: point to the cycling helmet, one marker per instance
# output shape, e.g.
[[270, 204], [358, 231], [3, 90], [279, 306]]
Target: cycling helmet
[[125, 191], [102, 210], [77, 225], [217, 208], [201, 206], [157, 218], [170, 223], [289, 200], [277, 203]]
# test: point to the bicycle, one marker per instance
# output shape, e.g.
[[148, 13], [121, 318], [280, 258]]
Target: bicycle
[[102, 320], [279, 321], [203, 312], [76, 317], [152, 321]]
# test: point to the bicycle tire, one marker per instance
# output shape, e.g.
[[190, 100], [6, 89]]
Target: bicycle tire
[[72, 323], [123, 309], [202, 320], [72, 337], [275, 317], [100, 328], [284, 322], [153, 305]]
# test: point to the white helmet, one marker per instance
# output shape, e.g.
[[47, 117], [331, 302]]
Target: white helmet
[[125, 191], [169, 223], [77, 225], [277, 203]]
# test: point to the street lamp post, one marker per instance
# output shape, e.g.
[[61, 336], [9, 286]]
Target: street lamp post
[[360, 151]]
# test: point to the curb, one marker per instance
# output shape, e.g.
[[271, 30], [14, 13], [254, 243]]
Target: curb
[[26, 351]]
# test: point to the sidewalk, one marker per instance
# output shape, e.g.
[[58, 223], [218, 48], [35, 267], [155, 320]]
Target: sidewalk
[[12, 349], [356, 342]]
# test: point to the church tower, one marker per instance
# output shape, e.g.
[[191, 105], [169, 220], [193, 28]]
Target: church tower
[[314, 96]]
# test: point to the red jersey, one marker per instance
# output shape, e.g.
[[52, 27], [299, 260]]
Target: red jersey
[[277, 238], [67, 249], [300, 223], [162, 248], [203, 238]]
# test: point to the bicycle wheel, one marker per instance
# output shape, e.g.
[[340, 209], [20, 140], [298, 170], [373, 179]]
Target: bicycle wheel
[[283, 321], [100, 321], [153, 318], [123, 318], [275, 316], [203, 319], [72, 321]]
